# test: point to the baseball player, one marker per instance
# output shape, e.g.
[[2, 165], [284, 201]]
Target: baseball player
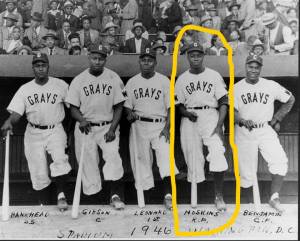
[[96, 97], [148, 106], [254, 109], [202, 100], [42, 99]]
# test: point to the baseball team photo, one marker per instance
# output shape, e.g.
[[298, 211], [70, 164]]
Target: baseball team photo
[[99, 141]]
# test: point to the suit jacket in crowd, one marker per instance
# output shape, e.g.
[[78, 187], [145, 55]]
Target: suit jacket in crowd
[[130, 45], [62, 41], [56, 51], [36, 39], [93, 33]]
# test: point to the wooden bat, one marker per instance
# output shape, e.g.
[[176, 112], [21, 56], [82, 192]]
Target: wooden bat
[[255, 188], [139, 189], [5, 194], [194, 194], [76, 197]]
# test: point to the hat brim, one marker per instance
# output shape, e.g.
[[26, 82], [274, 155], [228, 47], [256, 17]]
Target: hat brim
[[105, 29], [13, 19], [253, 60], [40, 60], [98, 52], [37, 19], [147, 54], [195, 49], [160, 46], [268, 22]]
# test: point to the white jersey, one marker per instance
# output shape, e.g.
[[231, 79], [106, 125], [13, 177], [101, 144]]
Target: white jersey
[[43, 104], [196, 90], [256, 101], [148, 97], [96, 96]]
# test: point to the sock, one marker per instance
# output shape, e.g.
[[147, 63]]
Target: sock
[[60, 182], [218, 183], [274, 195], [167, 185], [61, 195], [117, 188]]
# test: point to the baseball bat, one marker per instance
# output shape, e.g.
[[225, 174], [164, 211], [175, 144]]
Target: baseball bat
[[255, 188], [139, 189], [76, 198], [194, 183], [5, 194]]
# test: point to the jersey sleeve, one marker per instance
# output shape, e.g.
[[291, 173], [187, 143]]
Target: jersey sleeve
[[167, 93], [281, 93], [179, 93], [73, 94], [221, 88], [120, 93], [129, 101], [65, 88], [17, 104]]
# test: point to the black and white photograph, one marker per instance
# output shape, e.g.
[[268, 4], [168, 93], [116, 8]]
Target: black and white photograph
[[149, 119]]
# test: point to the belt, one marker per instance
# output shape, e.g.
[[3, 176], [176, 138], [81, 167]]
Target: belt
[[42, 127], [150, 119], [261, 125], [103, 123], [199, 107]]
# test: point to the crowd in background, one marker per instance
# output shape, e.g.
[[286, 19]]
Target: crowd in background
[[70, 27]]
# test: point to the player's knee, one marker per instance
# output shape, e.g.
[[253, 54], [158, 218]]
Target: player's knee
[[278, 169]]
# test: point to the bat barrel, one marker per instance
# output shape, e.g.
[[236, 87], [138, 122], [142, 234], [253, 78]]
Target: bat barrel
[[5, 195]]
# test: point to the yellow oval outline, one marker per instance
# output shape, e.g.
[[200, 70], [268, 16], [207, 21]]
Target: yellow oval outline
[[231, 133]]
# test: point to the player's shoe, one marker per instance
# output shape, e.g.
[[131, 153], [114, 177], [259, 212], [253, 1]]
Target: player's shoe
[[275, 203], [62, 204], [168, 202], [117, 203], [220, 204]]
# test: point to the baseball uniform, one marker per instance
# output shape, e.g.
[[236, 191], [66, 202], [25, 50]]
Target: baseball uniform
[[150, 100], [44, 108], [256, 102], [200, 93], [95, 97]]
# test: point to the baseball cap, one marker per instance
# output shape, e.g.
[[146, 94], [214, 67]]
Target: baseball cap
[[98, 49], [254, 58], [148, 52], [195, 47], [40, 57]]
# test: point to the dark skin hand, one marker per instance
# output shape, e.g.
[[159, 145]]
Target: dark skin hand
[[110, 135], [166, 131]]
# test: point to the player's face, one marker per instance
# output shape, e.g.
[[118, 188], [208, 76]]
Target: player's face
[[253, 70], [195, 59], [40, 70], [147, 64], [97, 62]]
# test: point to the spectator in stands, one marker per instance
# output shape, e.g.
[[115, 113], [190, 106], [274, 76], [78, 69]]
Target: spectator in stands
[[13, 45], [111, 48], [137, 44], [68, 15], [216, 20], [87, 35], [6, 30], [205, 38], [159, 48], [223, 9], [36, 31], [238, 47], [111, 37], [175, 33], [40, 6], [291, 13], [233, 25], [109, 13], [145, 14], [50, 48], [11, 8], [90, 10], [63, 35], [24, 50], [192, 14], [74, 40], [217, 47], [295, 49], [281, 8], [258, 48], [2, 5], [246, 14], [54, 16], [234, 14], [174, 17], [279, 36], [26, 14], [129, 34], [128, 13], [77, 11], [293, 23], [75, 50]]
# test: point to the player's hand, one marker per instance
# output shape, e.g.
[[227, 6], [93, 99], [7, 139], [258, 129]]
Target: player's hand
[[192, 116], [219, 131], [109, 136], [275, 124], [166, 133], [248, 124], [132, 117], [7, 126], [85, 126]]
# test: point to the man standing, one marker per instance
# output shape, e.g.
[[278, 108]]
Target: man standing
[[42, 99], [254, 108], [96, 98], [11, 8], [148, 105], [202, 101]]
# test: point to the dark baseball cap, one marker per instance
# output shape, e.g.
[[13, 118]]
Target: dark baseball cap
[[254, 58], [148, 52], [98, 49], [40, 57], [195, 47]]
